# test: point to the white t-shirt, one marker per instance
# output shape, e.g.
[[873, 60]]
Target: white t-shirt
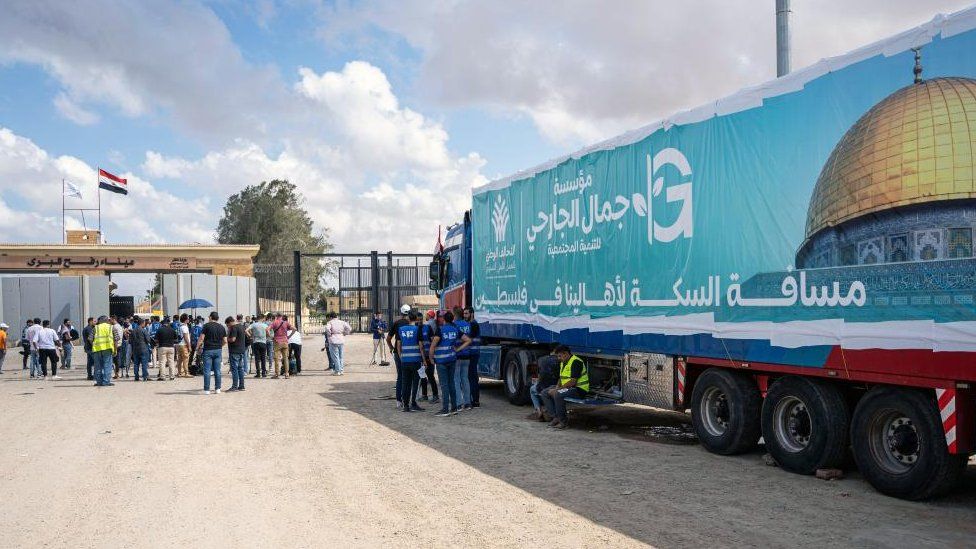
[[31, 332], [45, 338], [295, 338], [336, 331], [185, 332]]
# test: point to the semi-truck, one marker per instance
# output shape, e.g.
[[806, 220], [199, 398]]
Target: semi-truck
[[793, 264]]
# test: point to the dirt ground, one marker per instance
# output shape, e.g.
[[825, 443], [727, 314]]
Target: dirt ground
[[323, 461]]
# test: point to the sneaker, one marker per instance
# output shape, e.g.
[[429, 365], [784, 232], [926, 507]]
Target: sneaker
[[476, 405], [206, 392], [407, 409], [554, 422], [443, 413], [217, 392], [435, 400], [110, 384], [232, 389], [399, 405], [416, 408], [56, 378], [241, 389]]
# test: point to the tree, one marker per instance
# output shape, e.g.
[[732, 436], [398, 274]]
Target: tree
[[272, 215]]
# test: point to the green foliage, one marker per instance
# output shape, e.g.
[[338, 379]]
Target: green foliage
[[272, 215]]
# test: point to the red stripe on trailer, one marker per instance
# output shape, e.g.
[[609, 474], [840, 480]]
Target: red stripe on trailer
[[947, 409], [681, 381]]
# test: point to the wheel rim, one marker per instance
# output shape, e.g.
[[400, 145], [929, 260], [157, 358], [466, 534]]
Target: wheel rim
[[714, 411], [511, 378], [894, 441], [792, 424]]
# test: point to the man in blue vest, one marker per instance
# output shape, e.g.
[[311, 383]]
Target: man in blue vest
[[410, 350], [444, 345], [574, 382]]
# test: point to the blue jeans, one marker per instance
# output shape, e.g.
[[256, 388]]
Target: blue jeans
[[141, 358], [461, 383], [335, 352], [535, 393], [103, 367], [66, 356], [90, 363], [247, 361], [449, 400], [211, 362], [237, 362], [35, 364], [125, 355]]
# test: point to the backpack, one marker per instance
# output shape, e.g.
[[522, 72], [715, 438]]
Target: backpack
[[74, 335]]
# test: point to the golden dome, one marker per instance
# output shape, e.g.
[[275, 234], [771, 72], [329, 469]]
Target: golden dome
[[915, 146]]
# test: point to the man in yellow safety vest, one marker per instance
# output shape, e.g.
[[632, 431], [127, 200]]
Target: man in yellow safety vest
[[104, 348], [574, 382]]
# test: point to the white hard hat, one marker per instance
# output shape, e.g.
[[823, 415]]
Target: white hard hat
[[3, 325], [405, 309]]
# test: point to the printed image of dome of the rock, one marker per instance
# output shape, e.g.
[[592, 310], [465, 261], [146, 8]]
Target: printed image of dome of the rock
[[899, 186], [894, 207]]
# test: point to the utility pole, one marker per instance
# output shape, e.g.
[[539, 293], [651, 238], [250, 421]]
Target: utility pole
[[783, 39]]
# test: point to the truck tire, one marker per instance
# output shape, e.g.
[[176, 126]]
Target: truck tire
[[725, 411], [899, 444], [805, 424], [515, 375]]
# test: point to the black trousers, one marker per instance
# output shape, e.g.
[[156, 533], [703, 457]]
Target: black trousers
[[44, 355], [260, 352], [295, 351], [411, 383], [26, 355], [473, 378], [431, 380]]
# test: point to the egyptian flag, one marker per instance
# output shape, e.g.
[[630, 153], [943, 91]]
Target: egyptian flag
[[112, 183]]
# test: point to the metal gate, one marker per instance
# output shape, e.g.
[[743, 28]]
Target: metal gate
[[275, 288], [371, 282]]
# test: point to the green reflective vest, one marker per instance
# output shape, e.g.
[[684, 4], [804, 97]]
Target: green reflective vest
[[104, 340], [566, 373]]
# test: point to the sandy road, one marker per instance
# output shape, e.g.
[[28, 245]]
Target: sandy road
[[316, 461]]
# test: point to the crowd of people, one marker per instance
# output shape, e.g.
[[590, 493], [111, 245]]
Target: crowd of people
[[438, 346], [176, 346]]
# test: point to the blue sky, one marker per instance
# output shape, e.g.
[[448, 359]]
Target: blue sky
[[385, 113]]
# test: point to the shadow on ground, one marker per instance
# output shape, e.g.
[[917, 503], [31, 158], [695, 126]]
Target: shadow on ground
[[637, 470]]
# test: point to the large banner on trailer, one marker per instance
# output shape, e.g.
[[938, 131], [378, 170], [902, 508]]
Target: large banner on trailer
[[841, 211]]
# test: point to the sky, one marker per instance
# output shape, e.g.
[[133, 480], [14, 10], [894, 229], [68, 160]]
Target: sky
[[384, 113]]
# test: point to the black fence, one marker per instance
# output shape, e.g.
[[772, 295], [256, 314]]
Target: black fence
[[275, 288], [363, 284]]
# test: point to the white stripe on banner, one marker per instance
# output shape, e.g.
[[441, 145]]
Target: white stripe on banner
[[902, 334]]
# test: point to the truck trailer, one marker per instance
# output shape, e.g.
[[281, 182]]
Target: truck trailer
[[794, 262]]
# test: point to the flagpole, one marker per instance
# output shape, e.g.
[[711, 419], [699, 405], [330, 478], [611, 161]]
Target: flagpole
[[98, 189], [64, 236]]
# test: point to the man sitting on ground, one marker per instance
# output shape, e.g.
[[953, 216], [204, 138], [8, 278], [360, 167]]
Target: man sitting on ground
[[574, 382], [548, 377]]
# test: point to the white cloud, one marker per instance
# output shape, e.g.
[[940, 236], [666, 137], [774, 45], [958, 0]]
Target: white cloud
[[386, 181], [72, 111], [585, 70], [143, 58], [30, 201]]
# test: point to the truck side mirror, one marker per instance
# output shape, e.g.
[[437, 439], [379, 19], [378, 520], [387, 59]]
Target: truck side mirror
[[434, 272]]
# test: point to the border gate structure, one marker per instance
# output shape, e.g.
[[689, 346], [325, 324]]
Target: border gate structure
[[367, 283]]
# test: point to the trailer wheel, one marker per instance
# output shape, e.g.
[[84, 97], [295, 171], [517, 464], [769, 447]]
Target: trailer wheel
[[725, 411], [899, 444], [804, 425], [514, 373]]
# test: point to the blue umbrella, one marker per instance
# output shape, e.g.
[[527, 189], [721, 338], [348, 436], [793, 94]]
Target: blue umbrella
[[196, 304]]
